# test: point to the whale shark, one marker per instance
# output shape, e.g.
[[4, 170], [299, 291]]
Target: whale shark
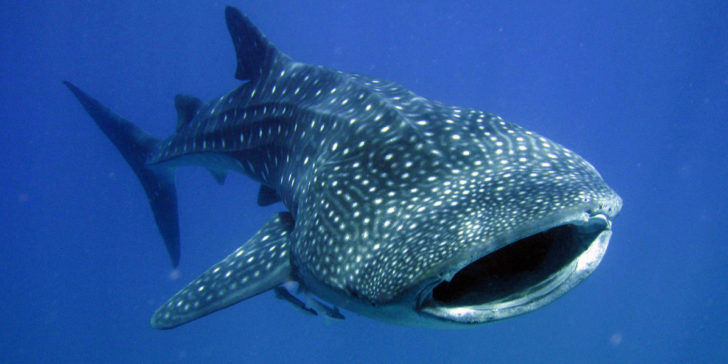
[[396, 207]]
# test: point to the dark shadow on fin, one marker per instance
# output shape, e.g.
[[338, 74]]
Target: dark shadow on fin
[[267, 196]]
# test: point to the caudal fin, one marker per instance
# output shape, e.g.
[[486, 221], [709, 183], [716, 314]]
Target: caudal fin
[[135, 146]]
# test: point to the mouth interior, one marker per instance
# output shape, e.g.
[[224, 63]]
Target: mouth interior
[[519, 268]]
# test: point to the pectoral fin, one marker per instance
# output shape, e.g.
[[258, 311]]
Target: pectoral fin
[[260, 264]]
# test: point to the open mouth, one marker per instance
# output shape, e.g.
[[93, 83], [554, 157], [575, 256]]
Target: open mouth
[[521, 276]]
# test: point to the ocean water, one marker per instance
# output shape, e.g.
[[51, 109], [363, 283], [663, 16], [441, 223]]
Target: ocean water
[[639, 89]]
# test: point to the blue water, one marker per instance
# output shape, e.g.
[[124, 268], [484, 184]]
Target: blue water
[[638, 88]]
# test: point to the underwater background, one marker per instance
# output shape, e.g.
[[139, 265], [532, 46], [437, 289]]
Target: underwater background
[[638, 88]]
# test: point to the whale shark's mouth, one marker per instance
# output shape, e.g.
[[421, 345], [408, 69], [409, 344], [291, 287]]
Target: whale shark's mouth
[[521, 276]]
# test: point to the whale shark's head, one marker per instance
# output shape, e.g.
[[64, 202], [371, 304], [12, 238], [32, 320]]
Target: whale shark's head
[[464, 219]]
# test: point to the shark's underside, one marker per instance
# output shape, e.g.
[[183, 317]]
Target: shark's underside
[[398, 207]]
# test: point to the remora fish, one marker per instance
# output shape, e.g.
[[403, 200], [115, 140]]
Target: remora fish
[[399, 208]]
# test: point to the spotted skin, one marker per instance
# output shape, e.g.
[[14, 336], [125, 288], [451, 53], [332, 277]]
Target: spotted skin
[[388, 193], [257, 266]]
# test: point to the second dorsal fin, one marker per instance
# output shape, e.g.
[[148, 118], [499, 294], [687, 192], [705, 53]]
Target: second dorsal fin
[[187, 107]]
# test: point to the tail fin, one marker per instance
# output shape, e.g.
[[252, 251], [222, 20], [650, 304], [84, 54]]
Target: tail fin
[[135, 146]]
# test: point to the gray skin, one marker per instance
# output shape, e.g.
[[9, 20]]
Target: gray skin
[[399, 208]]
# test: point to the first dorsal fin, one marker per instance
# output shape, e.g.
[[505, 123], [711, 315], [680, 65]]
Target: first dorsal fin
[[187, 107], [256, 56]]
